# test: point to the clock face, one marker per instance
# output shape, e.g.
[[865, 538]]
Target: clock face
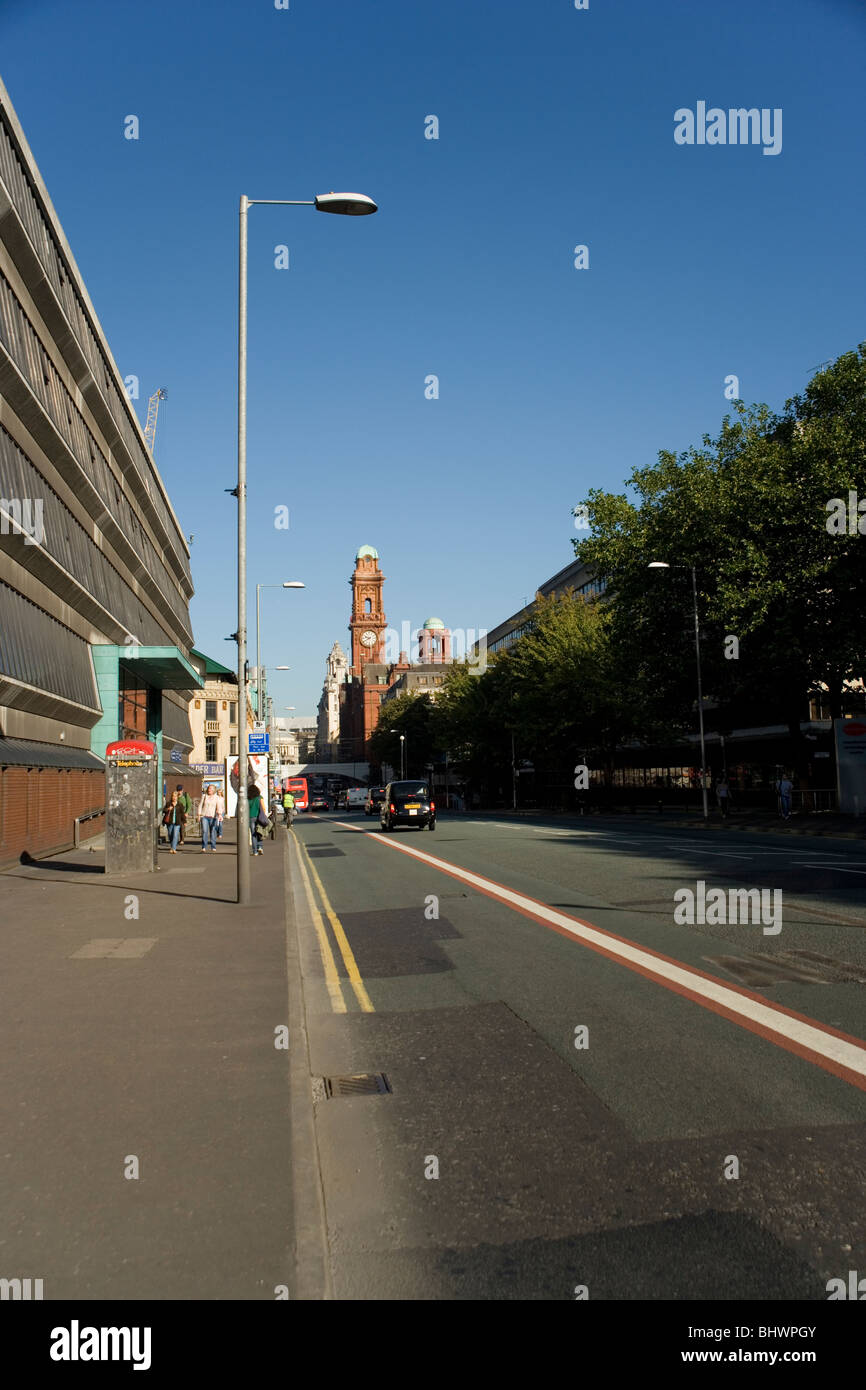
[[368, 638]]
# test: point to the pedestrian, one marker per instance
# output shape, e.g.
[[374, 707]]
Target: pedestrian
[[173, 818], [186, 803], [785, 788], [723, 796], [254, 797], [288, 807], [210, 812]]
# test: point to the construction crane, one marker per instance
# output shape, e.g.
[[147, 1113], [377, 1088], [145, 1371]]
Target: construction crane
[[152, 412]]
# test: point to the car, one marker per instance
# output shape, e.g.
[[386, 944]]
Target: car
[[375, 797], [320, 803], [408, 803]]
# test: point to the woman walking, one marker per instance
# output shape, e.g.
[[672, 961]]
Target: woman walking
[[174, 819], [210, 813], [254, 797]]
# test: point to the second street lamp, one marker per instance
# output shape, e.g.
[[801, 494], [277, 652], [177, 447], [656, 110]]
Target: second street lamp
[[348, 204], [663, 565]]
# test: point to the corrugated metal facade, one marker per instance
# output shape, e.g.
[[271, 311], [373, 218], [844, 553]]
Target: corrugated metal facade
[[107, 564]]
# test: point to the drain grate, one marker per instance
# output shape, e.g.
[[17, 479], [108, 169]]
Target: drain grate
[[367, 1084]]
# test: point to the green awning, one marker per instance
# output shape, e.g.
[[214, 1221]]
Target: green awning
[[213, 668], [162, 667]]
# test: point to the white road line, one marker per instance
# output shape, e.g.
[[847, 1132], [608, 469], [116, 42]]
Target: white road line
[[842, 1056], [837, 868]]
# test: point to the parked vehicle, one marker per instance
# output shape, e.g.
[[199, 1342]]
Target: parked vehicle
[[375, 797], [408, 803], [355, 797]]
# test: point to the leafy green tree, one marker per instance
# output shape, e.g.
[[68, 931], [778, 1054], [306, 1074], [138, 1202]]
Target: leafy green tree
[[749, 511], [412, 716]]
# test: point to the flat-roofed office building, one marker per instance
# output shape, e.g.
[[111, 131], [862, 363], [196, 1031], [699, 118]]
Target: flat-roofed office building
[[576, 577], [95, 637]]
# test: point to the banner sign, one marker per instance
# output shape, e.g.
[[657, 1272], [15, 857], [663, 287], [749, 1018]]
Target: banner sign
[[851, 765]]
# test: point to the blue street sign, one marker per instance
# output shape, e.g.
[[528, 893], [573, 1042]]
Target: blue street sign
[[176, 755], [260, 743]]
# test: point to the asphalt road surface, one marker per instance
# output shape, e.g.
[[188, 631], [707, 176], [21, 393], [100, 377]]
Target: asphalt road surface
[[587, 1096]]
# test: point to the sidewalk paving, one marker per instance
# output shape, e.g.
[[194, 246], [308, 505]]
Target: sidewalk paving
[[138, 1018]]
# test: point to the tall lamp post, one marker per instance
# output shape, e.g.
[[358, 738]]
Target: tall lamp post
[[347, 204], [287, 584], [402, 738], [663, 565]]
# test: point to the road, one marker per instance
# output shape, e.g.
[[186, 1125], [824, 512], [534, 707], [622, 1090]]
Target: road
[[587, 1098]]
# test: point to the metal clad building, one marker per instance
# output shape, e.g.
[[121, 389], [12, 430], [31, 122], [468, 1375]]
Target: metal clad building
[[95, 637]]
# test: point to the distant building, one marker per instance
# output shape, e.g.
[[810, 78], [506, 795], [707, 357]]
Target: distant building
[[371, 679], [328, 727], [213, 715], [577, 576]]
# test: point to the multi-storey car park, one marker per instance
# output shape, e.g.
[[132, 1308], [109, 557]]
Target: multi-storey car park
[[95, 636]]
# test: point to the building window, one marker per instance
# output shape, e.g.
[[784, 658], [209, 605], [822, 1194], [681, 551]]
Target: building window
[[233, 712], [233, 746], [368, 605], [210, 709], [210, 748]]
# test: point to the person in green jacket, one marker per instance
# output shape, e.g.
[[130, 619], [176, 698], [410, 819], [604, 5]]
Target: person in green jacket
[[186, 803], [254, 797]]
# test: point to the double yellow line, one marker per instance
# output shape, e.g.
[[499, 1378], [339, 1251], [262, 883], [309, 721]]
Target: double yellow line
[[332, 978]]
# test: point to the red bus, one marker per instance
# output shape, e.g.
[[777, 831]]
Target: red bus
[[298, 787]]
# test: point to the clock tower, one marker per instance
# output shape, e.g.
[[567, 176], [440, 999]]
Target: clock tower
[[367, 623]]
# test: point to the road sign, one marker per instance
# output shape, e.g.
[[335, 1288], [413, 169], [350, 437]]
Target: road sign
[[259, 743]]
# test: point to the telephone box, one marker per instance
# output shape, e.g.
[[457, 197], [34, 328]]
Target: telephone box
[[131, 802]]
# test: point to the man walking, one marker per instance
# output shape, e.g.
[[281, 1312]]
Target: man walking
[[785, 788], [211, 811], [723, 794]]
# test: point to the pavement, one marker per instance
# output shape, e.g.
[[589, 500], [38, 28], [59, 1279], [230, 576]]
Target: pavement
[[141, 1013]]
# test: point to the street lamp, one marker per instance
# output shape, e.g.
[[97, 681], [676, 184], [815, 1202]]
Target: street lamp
[[663, 565], [290, 584], [349, 204], [402, 752]]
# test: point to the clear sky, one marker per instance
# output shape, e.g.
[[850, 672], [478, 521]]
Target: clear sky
[[556, 129]]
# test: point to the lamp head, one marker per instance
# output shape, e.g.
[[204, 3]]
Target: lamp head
[[349, 204]]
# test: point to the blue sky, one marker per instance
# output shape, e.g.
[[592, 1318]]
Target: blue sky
[[555, 129]]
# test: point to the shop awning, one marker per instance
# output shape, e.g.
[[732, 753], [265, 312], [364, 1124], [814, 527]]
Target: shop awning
[[162, 667], [27, 752]]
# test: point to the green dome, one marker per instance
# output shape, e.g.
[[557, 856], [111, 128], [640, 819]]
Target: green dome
[[367, 550], [433, 623]]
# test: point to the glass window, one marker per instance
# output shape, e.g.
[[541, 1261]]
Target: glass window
[[210, 709], [233, 746], [233, 712], [210, 748]]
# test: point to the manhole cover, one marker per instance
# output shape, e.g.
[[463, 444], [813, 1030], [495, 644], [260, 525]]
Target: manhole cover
[[367, 1084]]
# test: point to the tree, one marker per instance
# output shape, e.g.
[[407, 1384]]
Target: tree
[[749, 510]]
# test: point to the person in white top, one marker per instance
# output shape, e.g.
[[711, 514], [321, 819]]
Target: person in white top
[[210, 812]]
